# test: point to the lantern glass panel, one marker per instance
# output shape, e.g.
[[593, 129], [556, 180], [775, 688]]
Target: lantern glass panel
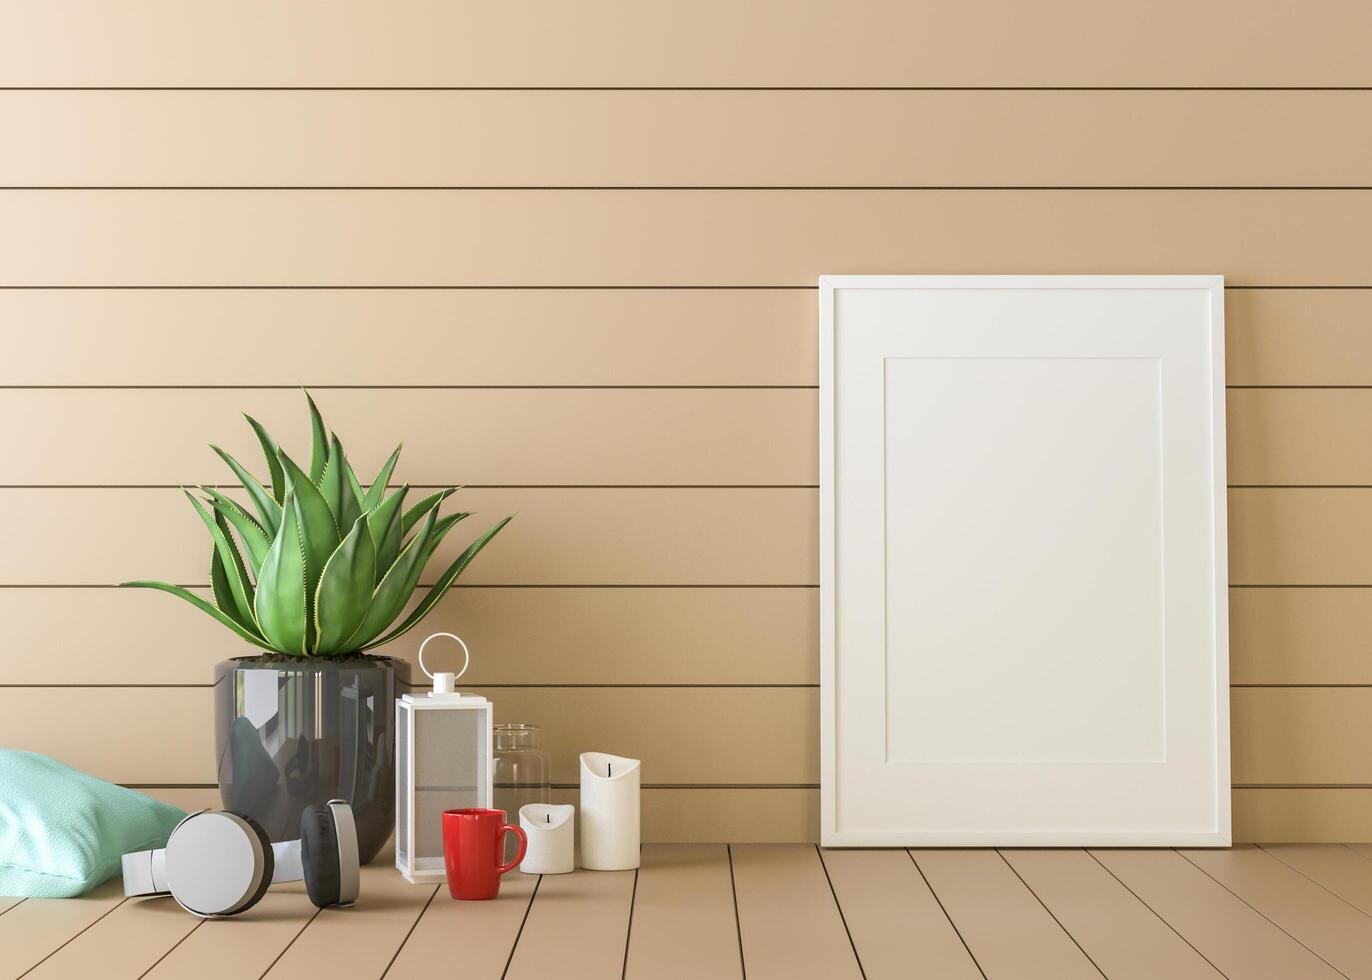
[[449, 752]]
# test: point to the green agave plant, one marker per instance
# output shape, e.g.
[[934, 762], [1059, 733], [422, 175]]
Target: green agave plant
[[330, 565]]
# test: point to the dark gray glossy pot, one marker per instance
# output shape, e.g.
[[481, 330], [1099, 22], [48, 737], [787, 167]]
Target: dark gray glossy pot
[[291, 734]]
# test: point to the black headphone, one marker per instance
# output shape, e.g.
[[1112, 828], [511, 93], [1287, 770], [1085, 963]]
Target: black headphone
[[219, 863]]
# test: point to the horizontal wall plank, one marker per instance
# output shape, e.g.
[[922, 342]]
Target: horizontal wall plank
[[1264, 816], [1297, 336], [675, 815], [1300, 537], [552, 337], [623, 536], [517, 636], [638, 139], [633, 437], [415, 337], [1301, 735], [874, 42], [615, 636], [1300, 636], [684, 735], [707, 237], [559, 537], [483, 437]]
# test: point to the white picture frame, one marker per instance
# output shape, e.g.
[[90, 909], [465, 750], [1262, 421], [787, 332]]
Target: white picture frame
[[1023, 565]]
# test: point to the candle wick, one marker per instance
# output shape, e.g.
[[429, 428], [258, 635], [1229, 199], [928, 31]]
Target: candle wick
[[548, 817], [609, 770]]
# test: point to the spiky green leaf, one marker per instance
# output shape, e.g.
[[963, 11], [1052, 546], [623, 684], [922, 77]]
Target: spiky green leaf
[[345, 590], [377, 491], [353, 482], [396, 586], [444, 583], [271, 450], [255, 539], [219, 587], [203, 605], [417, 513], [384, 525], [319, 442], [265, 503], [281, 606], [319, 536], [239, 585]]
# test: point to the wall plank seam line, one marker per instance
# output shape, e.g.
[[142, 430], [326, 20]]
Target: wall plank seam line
[[1155, 912], [629, 929], [467, 486], [819, 854], [1259, 911], [723, 685], [253, 387], [1051, 913], [791, 786], [408, 933], [417, 287], [738, 922], [1272, 854]]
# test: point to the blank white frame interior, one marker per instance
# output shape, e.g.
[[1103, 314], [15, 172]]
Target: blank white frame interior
[[1023, 571]]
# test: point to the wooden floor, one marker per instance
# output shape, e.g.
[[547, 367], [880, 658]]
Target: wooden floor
[[1288, 912]]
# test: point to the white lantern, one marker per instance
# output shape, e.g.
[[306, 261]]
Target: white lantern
[[442, 762]]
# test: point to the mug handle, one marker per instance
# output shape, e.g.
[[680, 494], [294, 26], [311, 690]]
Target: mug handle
[[500, 846]]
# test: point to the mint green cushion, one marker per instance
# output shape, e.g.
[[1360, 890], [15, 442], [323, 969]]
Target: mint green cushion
[[63, 832]]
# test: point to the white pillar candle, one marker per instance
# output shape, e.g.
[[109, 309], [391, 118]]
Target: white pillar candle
[[550, 828], [609, 812]]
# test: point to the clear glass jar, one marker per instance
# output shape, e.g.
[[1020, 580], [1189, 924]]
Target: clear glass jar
[[523, 771]]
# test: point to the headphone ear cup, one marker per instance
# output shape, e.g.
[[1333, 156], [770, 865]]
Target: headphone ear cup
[[319, 858], [268, 862]]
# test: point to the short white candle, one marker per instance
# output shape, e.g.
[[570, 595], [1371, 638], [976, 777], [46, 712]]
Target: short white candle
[[550, 828], [609, 812]]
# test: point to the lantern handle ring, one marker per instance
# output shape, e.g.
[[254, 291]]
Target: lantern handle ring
[[466, 654]]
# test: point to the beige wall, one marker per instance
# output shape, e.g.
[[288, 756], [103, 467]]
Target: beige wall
[[587, 236]]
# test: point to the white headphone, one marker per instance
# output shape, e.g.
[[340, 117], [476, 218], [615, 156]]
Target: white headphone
[[219, 863]]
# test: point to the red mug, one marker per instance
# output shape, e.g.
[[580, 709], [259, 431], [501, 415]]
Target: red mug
[[473, 846]]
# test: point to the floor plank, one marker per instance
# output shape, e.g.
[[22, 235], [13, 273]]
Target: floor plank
[[1364, 849], [895, 921], [36, 927], [123, 944], [8, 902], [789, 922], [361, 941], [483, 932], [1124, 938], [684, 924], [1226, 930], [577, 927], [1344, 872], [1007, 929], [1330, 927], [243, 946]]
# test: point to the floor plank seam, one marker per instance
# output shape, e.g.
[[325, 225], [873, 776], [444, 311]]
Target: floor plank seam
[[73, 938], [1312, 881], [925, 878], [1156, 913], [841, 917], [738, 923], [1263, 914], [299, 932], [629, 930], [189, 932], [409, 932], [1359, 853], [515, 945], [1051, 915], [14, 906]]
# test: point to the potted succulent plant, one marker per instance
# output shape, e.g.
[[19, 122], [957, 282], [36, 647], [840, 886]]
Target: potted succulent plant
[[318, 575]]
